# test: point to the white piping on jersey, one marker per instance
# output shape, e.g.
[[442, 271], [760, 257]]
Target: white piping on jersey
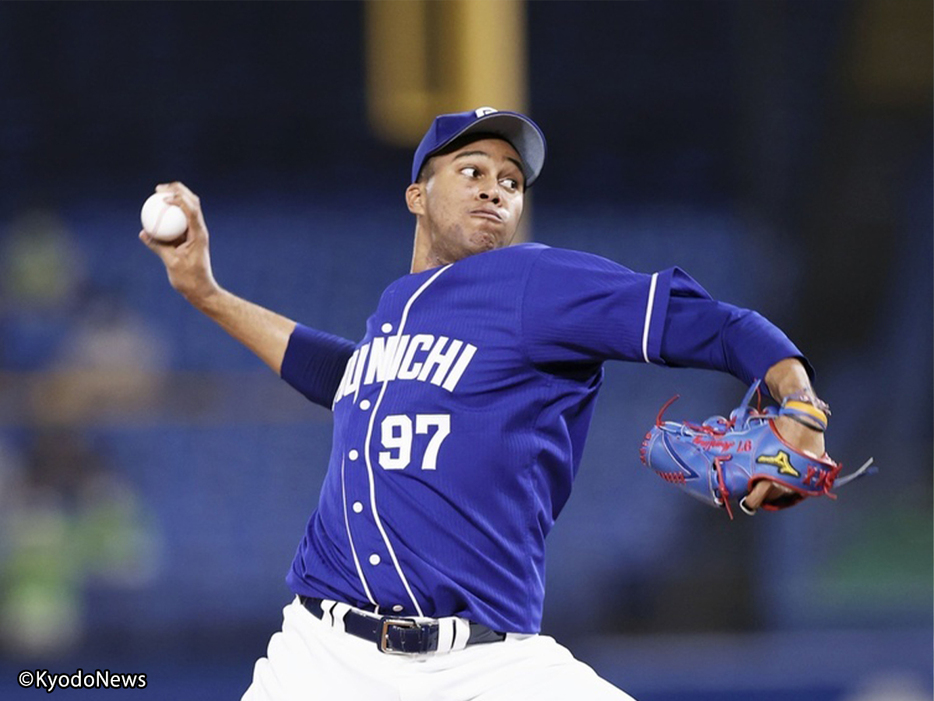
[[648, 318], [353, 550], [369, 435]]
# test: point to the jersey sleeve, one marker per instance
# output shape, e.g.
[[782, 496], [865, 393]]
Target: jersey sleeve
[[579, 307], [314, 363], [705, 333]]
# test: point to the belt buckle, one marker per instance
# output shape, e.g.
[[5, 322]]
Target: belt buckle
[[384, 645]]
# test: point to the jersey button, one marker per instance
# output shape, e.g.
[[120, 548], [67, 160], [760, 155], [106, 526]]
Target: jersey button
[[398, 607], [357, 507], [365, 404], [353, 455], [386, 328], [374, 559]]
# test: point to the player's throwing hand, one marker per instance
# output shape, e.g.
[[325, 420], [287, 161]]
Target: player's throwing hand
[[188, 259]]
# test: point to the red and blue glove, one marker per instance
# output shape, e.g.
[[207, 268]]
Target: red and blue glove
[[722, 459]]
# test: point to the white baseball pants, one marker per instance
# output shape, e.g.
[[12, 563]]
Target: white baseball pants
[[309, 660]]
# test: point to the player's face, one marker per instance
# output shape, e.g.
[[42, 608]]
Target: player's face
[[473, 200]]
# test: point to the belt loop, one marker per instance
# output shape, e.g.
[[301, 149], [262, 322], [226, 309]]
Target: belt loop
[[453, 634], [327, 606], [462, 633], [338, 612]]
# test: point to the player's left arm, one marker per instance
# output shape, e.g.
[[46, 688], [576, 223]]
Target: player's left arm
[[702, 332], [606, 311]]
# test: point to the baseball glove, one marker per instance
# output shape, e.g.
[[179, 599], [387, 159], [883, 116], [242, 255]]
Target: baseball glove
[[723, 459]]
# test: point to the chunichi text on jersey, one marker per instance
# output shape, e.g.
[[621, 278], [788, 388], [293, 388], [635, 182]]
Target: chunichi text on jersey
[[421, 357]]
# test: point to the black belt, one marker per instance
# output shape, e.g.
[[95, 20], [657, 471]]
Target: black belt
[[399, 635]]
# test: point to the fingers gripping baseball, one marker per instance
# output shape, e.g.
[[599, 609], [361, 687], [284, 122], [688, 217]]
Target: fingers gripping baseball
[[187, 260]]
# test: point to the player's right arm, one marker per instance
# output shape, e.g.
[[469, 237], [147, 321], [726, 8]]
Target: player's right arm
[[188, 265], [309, 360]]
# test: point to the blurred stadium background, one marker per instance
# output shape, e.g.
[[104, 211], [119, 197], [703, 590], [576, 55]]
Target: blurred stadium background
[[155, 478]]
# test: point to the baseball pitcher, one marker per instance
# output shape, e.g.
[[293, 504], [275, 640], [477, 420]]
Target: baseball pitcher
[[459, 422]]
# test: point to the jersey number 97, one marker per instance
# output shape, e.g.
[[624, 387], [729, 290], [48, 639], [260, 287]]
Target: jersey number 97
[[396, 436]]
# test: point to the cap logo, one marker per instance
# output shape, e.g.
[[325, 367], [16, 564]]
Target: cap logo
[[484, 111]]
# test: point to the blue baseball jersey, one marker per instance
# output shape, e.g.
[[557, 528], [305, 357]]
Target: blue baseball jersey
[[460, 418]]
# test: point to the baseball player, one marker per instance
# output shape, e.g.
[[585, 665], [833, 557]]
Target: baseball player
[[459, 422]]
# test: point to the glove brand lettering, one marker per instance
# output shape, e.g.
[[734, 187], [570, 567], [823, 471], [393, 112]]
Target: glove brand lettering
[[422, 357], [781, 461], [707, 443]]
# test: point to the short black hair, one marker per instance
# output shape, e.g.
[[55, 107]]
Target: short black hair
[[427, 169]]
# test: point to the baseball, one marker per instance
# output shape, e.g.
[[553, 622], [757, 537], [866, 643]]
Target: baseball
[[161, 220]]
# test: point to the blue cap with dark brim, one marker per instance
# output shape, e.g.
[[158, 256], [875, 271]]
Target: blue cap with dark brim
[[517, 129]]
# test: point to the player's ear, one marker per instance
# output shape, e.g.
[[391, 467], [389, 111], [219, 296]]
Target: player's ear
[[414, 198]]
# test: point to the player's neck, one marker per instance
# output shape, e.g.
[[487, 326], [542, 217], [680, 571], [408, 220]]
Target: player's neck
[[423, 255], [421, 264], [429, 254], [419, 254]]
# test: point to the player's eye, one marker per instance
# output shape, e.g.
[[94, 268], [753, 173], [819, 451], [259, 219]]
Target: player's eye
[[471, 171], [510, 184]]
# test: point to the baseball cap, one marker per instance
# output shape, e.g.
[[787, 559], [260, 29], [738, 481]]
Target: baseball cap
[[517, 129]]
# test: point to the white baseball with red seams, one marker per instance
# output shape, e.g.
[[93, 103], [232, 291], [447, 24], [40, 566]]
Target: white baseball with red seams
[[161, 220]]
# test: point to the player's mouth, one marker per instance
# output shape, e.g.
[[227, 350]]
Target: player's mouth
[[490, 214]]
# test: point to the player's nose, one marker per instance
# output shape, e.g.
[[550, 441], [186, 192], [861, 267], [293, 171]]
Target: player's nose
[[491, 194]]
